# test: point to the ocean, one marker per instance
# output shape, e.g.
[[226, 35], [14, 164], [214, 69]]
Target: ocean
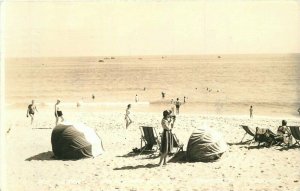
[[217, 84]]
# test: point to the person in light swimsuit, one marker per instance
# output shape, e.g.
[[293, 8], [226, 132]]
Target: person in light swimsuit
[[127, 118], [57, 112]]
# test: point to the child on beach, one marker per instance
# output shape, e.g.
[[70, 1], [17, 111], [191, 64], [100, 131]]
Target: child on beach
[[127, 118], [57, 112], [30, 111]]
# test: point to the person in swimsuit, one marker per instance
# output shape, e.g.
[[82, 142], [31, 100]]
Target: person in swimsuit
[[177, 105], [167, 124], [251, 111], [57, 112], [284, 133], [127, 118], [30, 111]]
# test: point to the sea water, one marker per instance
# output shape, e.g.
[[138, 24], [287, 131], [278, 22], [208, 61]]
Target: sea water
[[220, 84]]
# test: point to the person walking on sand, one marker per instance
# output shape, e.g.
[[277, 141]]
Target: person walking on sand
[[299, 110], [127, 118], [167, 124], [251, 112], [93, 97], [30, 111], [177, 105], [57, 112], [136, 98]]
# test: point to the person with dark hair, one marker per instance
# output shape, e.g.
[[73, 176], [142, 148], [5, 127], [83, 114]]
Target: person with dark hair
[[167, 124], [251, 111], [30, 111], [284, 134], [127, 118], [57, 112], [177, 105]]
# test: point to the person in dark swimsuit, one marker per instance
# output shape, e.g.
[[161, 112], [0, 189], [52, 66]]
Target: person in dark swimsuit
[[177, 105], [57, 112], [30, 111]]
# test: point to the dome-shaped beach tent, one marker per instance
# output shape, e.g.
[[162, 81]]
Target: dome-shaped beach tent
[[75, 141], [205, 144]]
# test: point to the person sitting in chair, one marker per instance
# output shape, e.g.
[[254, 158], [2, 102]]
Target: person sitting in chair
[[284, 134]]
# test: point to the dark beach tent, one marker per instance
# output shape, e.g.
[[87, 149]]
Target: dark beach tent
[[205, 144], [75, 141]]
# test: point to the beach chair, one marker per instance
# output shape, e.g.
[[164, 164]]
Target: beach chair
[[248, 131], [176, 144], [150, 139], [295, 131]]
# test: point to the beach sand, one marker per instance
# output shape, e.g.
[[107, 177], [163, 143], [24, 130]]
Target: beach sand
[[29, 166]]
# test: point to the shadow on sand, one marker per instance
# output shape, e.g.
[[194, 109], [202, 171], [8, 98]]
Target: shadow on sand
[[137, 153], [42, 128], [179, 157], [42, 156], [137, 167]]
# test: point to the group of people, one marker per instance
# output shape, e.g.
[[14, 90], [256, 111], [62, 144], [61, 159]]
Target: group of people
[[57, 111]]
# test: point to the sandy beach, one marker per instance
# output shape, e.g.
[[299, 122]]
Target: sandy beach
[[29, 164]]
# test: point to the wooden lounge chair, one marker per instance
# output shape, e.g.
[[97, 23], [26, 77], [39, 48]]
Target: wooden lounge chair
[[248, 131], [150, 139], [176, 144], [295, 131]]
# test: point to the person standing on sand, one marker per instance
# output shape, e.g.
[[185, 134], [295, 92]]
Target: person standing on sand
[[299, 110], [30, 111], [93, 97], [167, 124], [57, 112], [251, 112], [177, 105], [136, 98], [127, 118]]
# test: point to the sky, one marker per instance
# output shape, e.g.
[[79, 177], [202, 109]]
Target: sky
[[129, 27]]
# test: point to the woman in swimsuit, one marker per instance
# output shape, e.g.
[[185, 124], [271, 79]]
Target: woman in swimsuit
[[30, 110], [57, 112], [127, 118]]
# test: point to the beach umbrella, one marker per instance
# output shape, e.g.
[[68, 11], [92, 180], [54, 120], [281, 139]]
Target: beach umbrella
[[205, 144], [75, 141]]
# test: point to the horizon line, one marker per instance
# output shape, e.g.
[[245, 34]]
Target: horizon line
[[153, 55]]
